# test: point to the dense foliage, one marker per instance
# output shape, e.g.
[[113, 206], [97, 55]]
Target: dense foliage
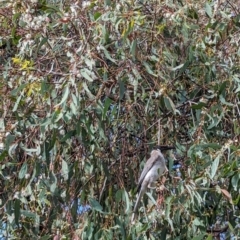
[[85, 88]]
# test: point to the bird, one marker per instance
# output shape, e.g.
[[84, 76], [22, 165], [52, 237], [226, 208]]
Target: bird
[[153, 169]]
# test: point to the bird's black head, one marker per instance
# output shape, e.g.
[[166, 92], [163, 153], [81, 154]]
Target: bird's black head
[[163, 148]]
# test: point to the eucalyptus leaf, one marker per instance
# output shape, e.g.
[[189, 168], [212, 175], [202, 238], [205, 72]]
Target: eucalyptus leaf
[[133, 49], [53, 182], [169, 104], [23, 170], [17, 211], [149, 70], [95, 205], [121, 89], [208, 10], [86, 74], [9, 140], [65, 170], [65, 96], [234, 181], [17, 103], [214, 166]]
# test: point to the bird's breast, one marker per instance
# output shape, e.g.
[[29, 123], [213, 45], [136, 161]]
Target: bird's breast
[[155, 172]]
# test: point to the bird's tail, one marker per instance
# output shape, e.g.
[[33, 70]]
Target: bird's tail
[[135, 210]]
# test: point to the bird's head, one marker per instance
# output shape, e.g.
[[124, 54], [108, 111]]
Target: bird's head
[[163, 148]]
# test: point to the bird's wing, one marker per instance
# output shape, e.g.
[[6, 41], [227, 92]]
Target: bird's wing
[[148, 165]]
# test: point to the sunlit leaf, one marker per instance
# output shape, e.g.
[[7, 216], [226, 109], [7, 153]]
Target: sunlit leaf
[[208, 10], [95, 205], [198, 106], [65, 96], [169, 104], [17, 103], [234, 181], [107, 55], [65, 170], [53, 182], [85, 86], [23, 171], [133, 49], [107, 104], [178, 67], [86, 74], [97, 15], [9, 140], [197, 222], [210, 237], [214, 166], [43, 41], [148, 68]]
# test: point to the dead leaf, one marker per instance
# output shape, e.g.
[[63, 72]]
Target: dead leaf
[[227, 194]]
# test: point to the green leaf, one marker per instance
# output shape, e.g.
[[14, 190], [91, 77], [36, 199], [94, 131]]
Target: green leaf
[[97, 15], [9, 140], [223, 100], [73, 108], [95, 204], [15, 37], [90, 95], [23, 171], [44, 87], [118, 196], [46, 237], [127, 201], [50, 8], [238, 89], [230, 227], [86, 74], [222, 88], [149, 70], [65, 96], [210, 145], [234, 181], [198, 222], [2, 125], [28, 214], [169, 104], [17, 211], [30, 150], [75, 100], [17, 90], [17, 103], [199, 105], [182, 70], [53, 182], [208, 10], [214, 166], [192, 13], [107, 104], [149, 194], [133, 49], [200, 237], [210, 237], [65, 170], [107, 55], [121, 89], [15, 18], [43, 41], [178, 67]]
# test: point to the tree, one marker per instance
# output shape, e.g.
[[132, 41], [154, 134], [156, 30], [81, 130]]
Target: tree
[[83, 90]]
